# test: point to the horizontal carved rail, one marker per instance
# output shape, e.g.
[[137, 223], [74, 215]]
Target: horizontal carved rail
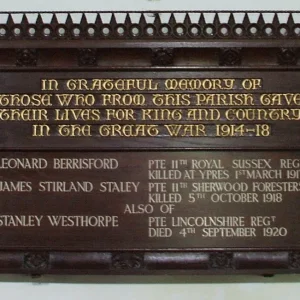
[[149, 25], [39, 263]]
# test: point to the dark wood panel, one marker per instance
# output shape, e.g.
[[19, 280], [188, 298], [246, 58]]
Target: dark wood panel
[[212, 200]]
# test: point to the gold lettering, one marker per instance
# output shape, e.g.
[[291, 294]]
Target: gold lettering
[[40, 130], [123, 100], [240, 130], [120, 114], [77, 84], [225, 99], [25, 100], [200, 84], [171, 99], [164, 103], [74, 130], [75, 99], [23, 115], [77, 115], [252, 83], [107, 84], [128, 130], [161, 114], [262, 114], [280, 99], [49, 85], [203, 114], [176, 130]]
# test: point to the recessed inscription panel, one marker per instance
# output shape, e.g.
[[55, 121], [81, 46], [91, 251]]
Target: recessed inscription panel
[[149, 200], [109, 110]]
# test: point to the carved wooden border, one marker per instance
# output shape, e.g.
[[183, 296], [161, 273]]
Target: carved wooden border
[[135, 25]]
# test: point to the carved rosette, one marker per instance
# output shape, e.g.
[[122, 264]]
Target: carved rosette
[[230, 57], [36, 261], [221, 260], [287, 56], [26, 57], [162, 56], [87, 57], [294, 260], [127, 261]]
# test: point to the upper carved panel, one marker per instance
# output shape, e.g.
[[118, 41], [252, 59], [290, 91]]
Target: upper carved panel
[[150, 25]]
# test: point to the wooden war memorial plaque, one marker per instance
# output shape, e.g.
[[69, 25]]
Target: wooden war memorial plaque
[[150, 142]]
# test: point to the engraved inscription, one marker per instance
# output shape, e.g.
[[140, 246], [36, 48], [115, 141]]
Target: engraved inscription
[[137, 200], [108, 111], [130, 108]]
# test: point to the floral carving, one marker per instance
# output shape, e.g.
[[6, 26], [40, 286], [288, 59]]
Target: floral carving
[[127, 261], [221, 260], [36, 261], [26, 57], [230, 57], [87, 57], [287, 56], [294, 260], [162, 56]]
